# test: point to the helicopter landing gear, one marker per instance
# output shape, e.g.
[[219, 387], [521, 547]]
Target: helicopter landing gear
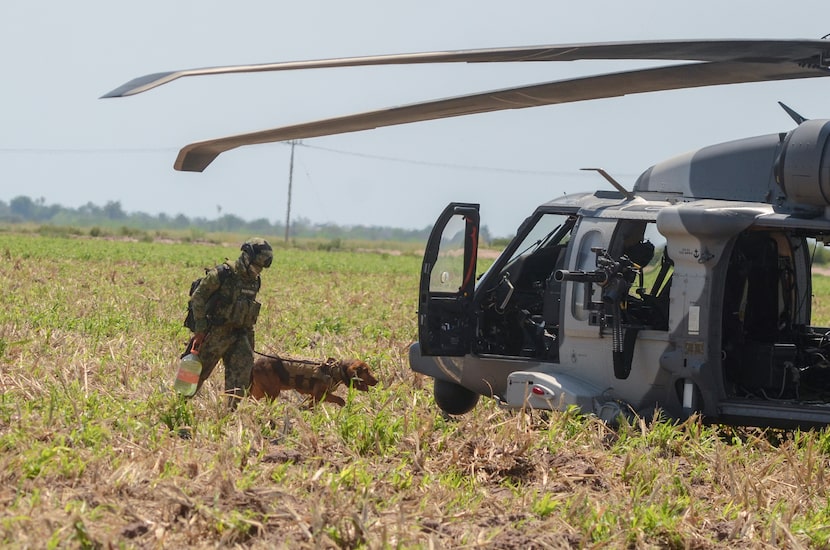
[[452, 398]]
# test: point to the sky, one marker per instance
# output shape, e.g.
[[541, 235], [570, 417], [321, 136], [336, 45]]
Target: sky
[[59, 142]]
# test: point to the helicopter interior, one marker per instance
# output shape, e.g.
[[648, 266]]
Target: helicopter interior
[[769, 349]]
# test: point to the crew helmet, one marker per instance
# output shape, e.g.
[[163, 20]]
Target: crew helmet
[[259, 252]]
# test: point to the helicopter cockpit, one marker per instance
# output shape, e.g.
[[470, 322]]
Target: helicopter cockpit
[[519, 301]]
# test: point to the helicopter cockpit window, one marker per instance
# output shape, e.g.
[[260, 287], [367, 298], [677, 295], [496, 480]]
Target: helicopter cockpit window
[[545, 233], [448, 273], [519, 312]]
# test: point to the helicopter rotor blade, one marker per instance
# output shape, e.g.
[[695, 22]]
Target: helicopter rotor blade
[[197, 156], [813, 52]]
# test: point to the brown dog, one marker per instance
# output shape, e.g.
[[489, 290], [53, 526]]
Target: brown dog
[[273, 374]]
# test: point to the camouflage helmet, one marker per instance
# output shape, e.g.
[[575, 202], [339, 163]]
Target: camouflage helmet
[[259, 252]]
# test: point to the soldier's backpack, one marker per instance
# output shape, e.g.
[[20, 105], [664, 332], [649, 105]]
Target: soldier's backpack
[[224, 271]]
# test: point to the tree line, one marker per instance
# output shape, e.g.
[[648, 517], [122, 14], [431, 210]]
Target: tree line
[[23, 209]]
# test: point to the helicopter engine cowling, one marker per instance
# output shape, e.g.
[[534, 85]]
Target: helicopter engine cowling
[[802, 168]]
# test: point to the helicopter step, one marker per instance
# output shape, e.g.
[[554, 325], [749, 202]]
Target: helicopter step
[[774, 414]]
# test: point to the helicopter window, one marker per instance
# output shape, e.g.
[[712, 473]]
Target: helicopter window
[[448, 273], [648, 298], [520, 304], [551, 229], [633, 264], [535, 257], [586, 261]]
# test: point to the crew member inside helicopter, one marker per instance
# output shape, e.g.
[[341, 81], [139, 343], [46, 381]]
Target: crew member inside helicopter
[[645, 309]]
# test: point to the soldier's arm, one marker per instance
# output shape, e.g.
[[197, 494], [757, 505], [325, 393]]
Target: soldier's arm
[[210, 284]]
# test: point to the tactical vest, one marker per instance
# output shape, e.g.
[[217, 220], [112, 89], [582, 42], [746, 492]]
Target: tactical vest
[[234, 303]]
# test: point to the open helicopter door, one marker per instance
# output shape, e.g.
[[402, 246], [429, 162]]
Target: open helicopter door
[[448, 281]]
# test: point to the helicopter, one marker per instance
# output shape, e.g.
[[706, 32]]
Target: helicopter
[[690, 293]]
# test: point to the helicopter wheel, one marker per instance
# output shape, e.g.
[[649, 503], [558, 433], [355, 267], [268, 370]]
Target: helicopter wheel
[[452, 398]]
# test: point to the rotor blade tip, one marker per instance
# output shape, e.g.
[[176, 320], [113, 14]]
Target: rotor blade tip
[[142, 84], [190, 160]]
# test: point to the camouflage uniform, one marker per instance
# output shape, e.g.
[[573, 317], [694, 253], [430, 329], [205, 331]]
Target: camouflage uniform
[[225, 311]]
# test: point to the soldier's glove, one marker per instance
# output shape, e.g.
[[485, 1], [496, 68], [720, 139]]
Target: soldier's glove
[[196, 342]]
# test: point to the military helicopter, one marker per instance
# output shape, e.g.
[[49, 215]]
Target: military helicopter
[[690, 293]]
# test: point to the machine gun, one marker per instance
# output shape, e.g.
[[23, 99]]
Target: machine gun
[[615, 278]]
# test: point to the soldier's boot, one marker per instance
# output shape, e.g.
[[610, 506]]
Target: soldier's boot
[[234, 397]]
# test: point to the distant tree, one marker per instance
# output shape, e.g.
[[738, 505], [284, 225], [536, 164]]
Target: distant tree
[[47, 213], [23, 207], [113, 211], [90, 210], [260, 226], [181, 221], [484, 235], [229, 222]]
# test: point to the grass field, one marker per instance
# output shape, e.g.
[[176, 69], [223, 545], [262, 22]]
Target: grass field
[[91, 453]]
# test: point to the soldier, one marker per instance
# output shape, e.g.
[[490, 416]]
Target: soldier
[[225, 311]]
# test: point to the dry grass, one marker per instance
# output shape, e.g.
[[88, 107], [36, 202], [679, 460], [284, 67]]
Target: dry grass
[[93, 453]]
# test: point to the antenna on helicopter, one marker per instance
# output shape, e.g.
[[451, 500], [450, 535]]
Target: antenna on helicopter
[[617, 185], [793, 115]]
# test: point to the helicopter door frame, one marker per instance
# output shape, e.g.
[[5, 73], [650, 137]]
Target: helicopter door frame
[[448, 282]]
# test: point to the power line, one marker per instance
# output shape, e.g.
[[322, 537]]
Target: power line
[[448, 165]]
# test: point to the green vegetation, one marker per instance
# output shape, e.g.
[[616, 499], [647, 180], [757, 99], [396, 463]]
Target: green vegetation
[[98, 452], [112, 219]]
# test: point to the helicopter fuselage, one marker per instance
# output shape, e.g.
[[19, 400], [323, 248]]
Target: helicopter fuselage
[[692, 295]]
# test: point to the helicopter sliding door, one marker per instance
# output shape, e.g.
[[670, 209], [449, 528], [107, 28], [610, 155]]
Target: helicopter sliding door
[[448, 282]]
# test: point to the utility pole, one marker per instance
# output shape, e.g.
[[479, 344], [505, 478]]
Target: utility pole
[[290, 183]]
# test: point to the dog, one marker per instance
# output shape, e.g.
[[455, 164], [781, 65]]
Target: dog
[[272, 374]]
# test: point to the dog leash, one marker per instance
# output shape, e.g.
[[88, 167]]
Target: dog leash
[[328, 362], [302, 361]]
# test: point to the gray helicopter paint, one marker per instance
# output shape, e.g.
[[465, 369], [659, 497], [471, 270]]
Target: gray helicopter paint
[[699, 235], [804, 165], [789, 171], [729, 171]]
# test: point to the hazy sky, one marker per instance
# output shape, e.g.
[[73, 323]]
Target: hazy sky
[[60, 142]]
